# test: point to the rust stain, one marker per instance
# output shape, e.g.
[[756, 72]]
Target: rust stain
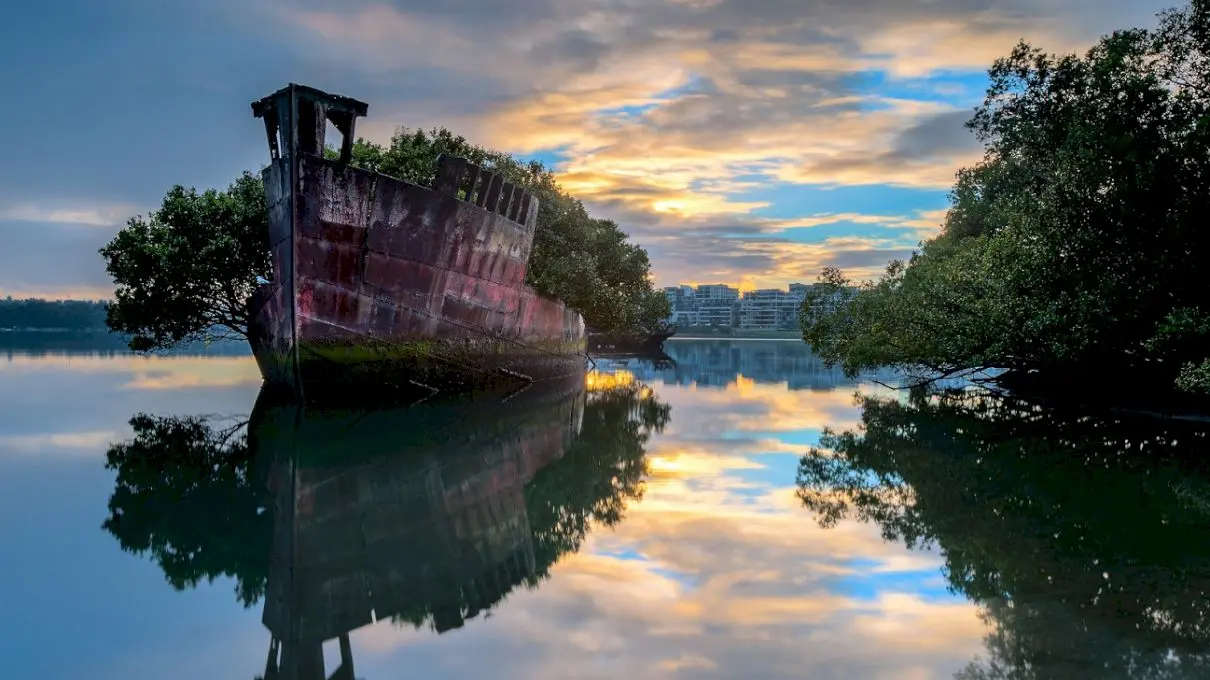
[[432, 278]]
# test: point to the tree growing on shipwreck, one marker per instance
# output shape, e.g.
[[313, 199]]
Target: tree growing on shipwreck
[[185, 272]]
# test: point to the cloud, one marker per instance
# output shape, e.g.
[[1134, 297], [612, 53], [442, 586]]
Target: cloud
[[718, 572], [753, 81], [670, 114], [767, 252], [94, 216], [765, 262], [86, 443], [926, 153]]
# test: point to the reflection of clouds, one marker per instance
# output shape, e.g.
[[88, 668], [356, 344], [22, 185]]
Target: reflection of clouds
[[676, 463], [755, 407], [754, 389], [718, 572], [57, 417], [144, 372], [59, 405]]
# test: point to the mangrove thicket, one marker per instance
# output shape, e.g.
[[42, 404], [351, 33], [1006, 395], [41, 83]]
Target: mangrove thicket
[[1078, 245]]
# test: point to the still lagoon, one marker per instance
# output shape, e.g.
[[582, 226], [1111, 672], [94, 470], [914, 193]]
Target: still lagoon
[[705, 516]]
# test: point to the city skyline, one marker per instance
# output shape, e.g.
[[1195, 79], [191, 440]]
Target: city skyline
[[720, 305], [722, 364]]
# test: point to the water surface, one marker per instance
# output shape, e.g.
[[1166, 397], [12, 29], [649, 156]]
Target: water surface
[[685, 518]]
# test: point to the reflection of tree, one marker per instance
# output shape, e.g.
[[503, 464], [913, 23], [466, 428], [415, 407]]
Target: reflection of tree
[[1086, 537], [187, 491], [601, 471], [194, 494], [597, 475]]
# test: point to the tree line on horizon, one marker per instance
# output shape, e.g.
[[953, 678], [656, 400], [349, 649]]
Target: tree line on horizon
[[42, 314], [1077, 249]]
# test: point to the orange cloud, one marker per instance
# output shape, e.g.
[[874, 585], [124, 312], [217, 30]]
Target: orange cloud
[[766, 263], [146, 372], [668, 113], [713, 574]]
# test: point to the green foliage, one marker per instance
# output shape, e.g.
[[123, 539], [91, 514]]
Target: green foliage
[[590, 485], [1084, 535], [1077, 241], [188, 493], [186, 271], [195, 492], [63, 315], [586, 262], [1195, 377], [604, 468]]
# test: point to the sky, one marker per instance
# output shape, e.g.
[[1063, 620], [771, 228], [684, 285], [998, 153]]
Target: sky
[[750, 142]]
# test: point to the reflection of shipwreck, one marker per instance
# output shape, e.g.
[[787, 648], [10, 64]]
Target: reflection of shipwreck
[[379, 283], [415, 514]]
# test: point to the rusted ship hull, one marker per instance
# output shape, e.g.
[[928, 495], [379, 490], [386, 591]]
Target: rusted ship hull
[[416, 513], [380, 284]]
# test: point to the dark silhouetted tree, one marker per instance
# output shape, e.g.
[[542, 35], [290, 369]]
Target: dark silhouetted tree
[[1085, 535], [189, 493]]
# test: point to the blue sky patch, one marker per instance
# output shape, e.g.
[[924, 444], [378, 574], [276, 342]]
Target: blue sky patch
[[869, 586], [798, 200], [955, 88]]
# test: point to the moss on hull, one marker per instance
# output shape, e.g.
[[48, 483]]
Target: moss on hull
[[424, 365], [341, 433]]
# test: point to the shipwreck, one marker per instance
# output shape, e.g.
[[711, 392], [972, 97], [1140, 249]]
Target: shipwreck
[[382, 284], [418, 515]]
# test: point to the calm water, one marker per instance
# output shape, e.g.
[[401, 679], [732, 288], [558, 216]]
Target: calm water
[[688, 519]]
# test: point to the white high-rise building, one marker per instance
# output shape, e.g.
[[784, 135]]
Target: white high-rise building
[[716, 304], [769, 309]]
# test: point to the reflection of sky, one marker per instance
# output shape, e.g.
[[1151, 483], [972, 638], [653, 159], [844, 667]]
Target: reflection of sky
[[717, 572], [75, 605]]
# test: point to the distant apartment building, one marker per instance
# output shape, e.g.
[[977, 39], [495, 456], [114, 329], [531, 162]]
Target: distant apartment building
[[683, 301], [769, 309], [716, 305]]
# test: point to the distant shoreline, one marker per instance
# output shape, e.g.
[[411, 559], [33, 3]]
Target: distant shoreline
[[735, 334], [722, 338]]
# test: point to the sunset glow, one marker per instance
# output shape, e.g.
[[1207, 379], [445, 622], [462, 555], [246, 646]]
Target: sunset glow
[[749, 143]]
